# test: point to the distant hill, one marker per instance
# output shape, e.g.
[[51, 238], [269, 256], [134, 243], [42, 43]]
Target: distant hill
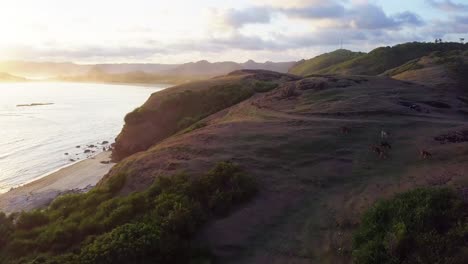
[[208, 69], [318, 63], [136, 67], [382, 59], [98, 75], [134, 72], [204, 68], [36, 70], [282, 67], [5, 77]]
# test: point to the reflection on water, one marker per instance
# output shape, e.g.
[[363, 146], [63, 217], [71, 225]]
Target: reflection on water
[[53, 119]]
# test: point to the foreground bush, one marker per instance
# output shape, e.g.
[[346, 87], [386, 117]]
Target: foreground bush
[[420, 226], [146, 227]]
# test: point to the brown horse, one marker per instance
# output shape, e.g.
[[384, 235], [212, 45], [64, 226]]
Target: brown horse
[[385, 144], [379, 151], [425, 154], [345, 130]]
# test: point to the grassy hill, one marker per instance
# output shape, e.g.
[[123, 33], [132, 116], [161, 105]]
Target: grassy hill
[[316, 64], [439, 69], [384, 58], [315, 182], [169, 111], [264, 167]]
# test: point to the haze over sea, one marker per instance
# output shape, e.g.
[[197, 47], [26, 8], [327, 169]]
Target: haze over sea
[[34, 139]]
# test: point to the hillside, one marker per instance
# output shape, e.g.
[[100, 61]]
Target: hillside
[[382, 59], [315, 181], [439, 69], [264, 167], [318, 63], [177, 108]]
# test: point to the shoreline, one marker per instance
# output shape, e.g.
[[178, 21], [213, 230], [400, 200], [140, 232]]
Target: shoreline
[[77, 177]]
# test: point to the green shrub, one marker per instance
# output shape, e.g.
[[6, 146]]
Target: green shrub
[[263, 86], [6, 229], [155, 225], [30, 220], [420, 226], [129, 243]]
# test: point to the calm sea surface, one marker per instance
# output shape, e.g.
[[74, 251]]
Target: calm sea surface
[[34, 139]]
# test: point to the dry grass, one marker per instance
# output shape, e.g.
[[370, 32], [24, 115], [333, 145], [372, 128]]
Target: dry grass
[[314, 180]]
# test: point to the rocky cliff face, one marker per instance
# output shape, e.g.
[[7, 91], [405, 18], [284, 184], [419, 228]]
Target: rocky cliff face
[[167, 112]]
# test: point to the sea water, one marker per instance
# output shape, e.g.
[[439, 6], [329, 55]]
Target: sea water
[[46, 126]]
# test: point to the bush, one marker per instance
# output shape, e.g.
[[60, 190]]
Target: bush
[[30, 220], [130, 243], [263, 86], [420, 226], [145, 227], [6, 229]]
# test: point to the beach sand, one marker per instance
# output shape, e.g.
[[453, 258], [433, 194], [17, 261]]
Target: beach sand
[[79, 176]]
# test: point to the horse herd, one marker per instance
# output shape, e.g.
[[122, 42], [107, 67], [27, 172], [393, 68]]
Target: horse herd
[[384, 147]]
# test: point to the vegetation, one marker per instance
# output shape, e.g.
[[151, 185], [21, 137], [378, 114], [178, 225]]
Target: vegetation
[[171, 112], [420, 226], [154, 226], [197, 105], [314, 65], [385, 58], [264, 86], [409, 66]]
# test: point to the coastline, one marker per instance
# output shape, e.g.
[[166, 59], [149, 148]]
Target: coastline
[[78, 177]]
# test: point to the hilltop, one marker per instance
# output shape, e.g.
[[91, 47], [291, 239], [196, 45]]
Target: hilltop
[[320, 63], [377, 61]]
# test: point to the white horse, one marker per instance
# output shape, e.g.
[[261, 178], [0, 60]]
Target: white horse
[[383, 134]]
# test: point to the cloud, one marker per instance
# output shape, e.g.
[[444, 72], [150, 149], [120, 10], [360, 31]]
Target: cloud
[[457, 25], [237, 18], [448, 6], [329, 10], [361, 15], [288, 3], [86, 53], [368, 16]]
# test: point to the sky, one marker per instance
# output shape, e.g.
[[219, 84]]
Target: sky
[[178, 31]]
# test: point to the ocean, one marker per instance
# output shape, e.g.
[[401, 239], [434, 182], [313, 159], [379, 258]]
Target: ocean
[[47, 126]]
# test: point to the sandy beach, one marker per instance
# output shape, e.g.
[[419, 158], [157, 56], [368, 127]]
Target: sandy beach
[[79, 176]]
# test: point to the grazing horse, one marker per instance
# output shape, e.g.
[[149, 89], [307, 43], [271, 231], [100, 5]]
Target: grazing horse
[[345, 130], [383, 134], [425, 154], [385, 144], [379, 151]]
